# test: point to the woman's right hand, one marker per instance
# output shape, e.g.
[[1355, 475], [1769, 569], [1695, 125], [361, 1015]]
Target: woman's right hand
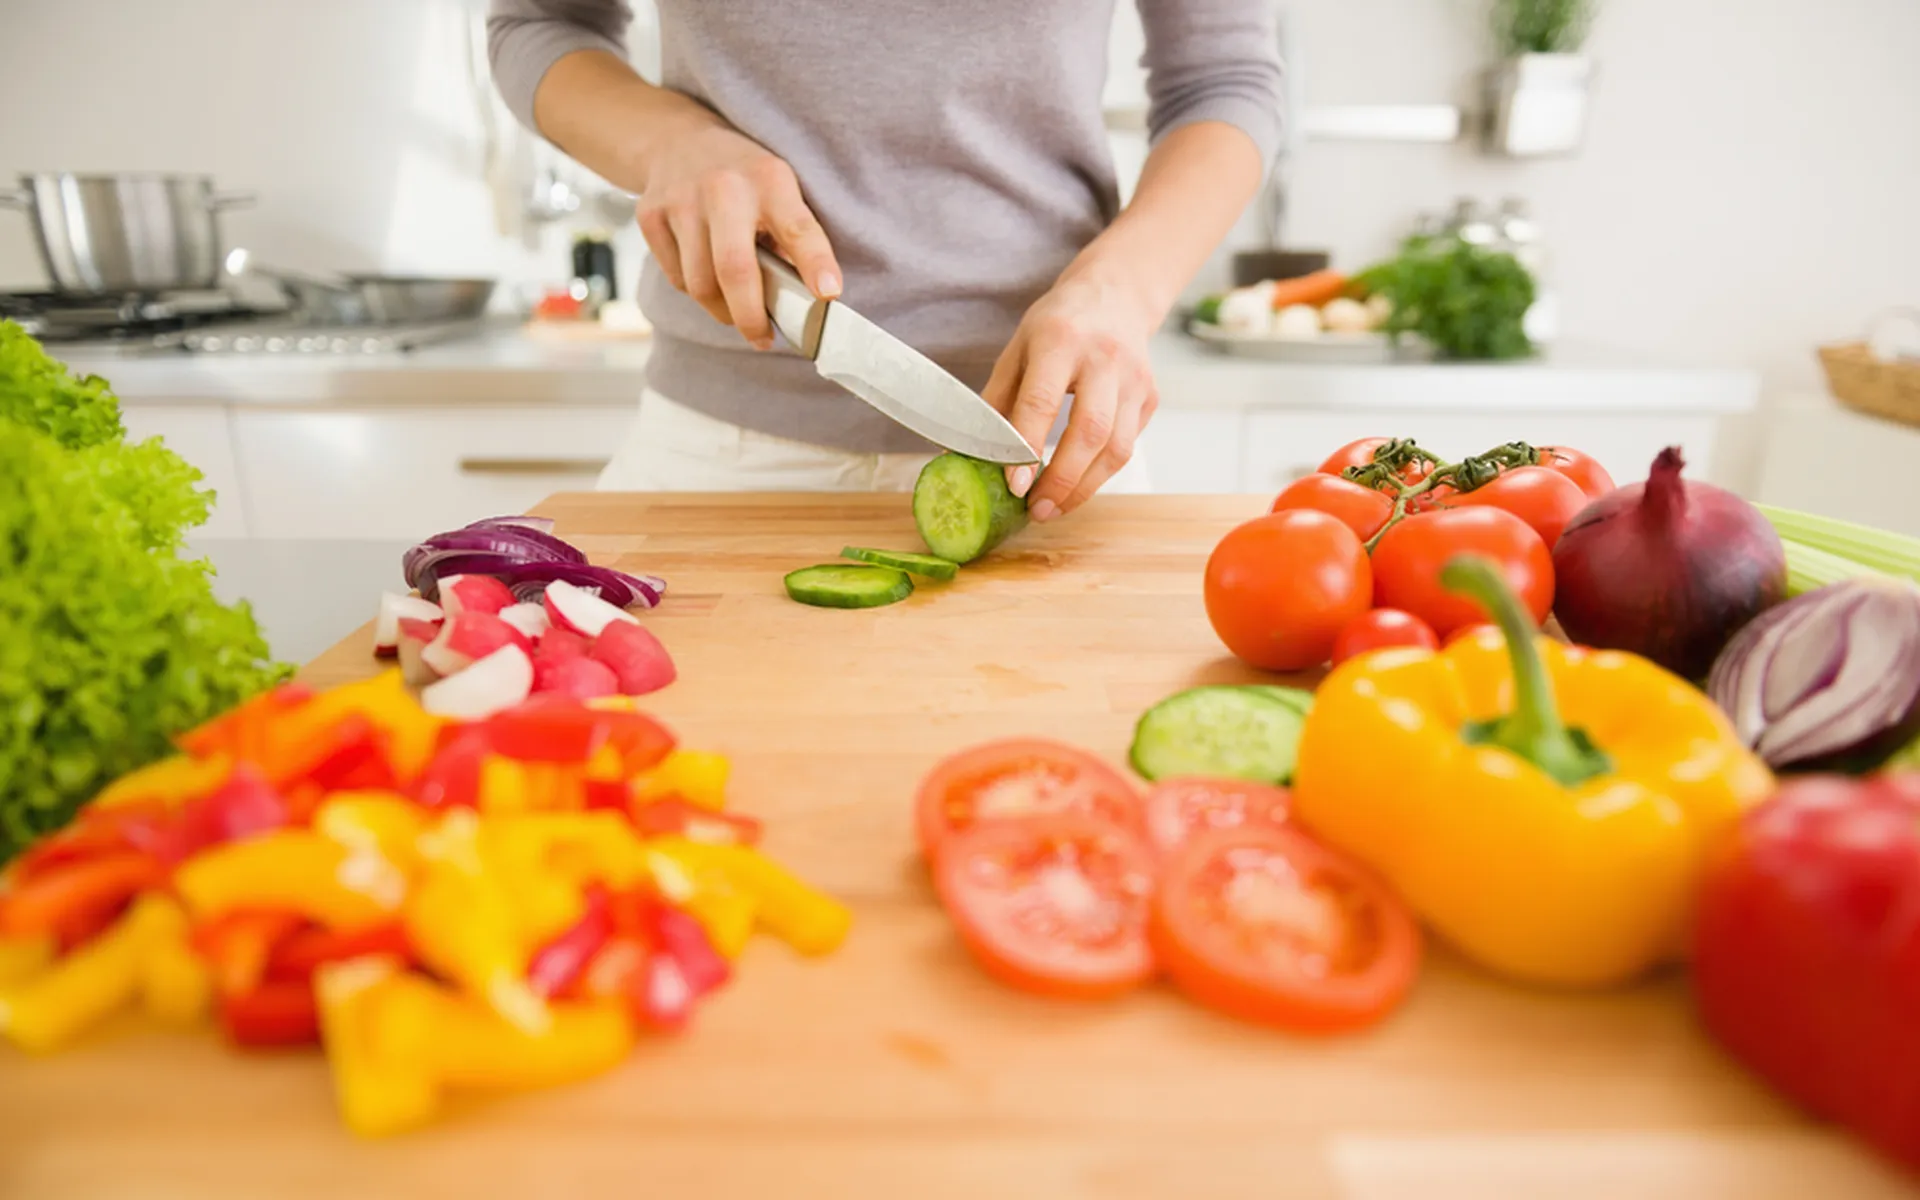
[[709, 196]]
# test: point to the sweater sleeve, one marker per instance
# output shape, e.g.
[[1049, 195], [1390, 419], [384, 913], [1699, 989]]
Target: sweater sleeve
[[526, 37], [1213, 60]]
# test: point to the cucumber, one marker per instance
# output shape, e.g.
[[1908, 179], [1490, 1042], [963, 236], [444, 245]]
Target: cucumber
[[1298, 699], [905, 560], [963, 508], [848, 585], [1220, 732]]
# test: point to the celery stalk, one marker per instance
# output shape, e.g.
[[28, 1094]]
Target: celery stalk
[[1809, 568], [1886, 553]]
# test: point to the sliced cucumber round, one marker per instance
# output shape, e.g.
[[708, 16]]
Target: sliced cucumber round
[[1218, 732], [848, 585], [1298, 699], [925, 565], [963, 508]]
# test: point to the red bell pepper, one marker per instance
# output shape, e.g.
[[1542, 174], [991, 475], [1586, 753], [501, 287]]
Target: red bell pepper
[[272, 1014], [348, 753], [556, 966], [94, 832], [660, 961], [303, 953], [549, 728], [1807, 951], [242, 732], [76, 900], [616, 794], [452, 777], [238, 945], [673, 816]]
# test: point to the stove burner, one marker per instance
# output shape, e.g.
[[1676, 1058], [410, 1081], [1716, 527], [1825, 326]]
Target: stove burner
[[205, 323], [57, 318]]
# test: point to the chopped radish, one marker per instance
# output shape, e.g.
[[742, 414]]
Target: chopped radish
[[581, 678], [577, 609], [473, 594], [393, 610], [468, 637], [498, 681], [639, 661], [414, 636], [556, 644], [530, 619]]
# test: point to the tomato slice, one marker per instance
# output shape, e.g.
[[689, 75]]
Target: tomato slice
[[1179, 809], [1270, 926], [1054, 904], [1019, 778]]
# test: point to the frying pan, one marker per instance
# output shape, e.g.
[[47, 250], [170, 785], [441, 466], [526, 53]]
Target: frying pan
[[374, 299]]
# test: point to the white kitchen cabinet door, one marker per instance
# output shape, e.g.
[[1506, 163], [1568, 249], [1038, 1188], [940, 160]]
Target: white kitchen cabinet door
[[411, 472], [1283, 446], [1191, 452], [202, 436]]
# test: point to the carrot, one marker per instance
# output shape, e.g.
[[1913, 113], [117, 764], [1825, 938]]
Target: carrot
[[1315, 289]]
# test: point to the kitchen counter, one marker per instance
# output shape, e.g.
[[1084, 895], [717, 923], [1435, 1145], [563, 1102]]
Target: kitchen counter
[[896, 1068]]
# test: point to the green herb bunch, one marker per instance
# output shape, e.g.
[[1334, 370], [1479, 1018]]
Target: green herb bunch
[[1468, 301], [1541, 26], [110, 641]]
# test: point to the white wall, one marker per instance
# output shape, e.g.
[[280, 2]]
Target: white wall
[[1751, 183]]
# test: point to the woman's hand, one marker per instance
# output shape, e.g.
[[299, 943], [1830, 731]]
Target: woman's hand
[[709, 196], [1087, 336]]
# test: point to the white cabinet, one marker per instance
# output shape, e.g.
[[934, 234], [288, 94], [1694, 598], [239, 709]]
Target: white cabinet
[[411, 472], [1191, 452], [199, 434], [1820, 457]]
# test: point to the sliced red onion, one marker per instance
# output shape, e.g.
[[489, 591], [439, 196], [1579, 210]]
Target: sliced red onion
[[523, 553], [537, 524], [1829, 678], [529, 582]]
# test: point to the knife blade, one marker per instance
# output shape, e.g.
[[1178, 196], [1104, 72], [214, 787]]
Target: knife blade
[[884, 371]]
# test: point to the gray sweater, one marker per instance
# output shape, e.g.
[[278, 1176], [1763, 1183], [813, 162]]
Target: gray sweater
[[955, 151]]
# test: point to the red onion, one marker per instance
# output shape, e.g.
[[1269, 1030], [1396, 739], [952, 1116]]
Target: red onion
[[1828, 680], [1669, 569], [523, 553], [529, 582]]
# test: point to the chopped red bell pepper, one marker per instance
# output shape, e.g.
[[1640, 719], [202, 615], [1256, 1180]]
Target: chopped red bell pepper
[[242, 732], [684, 940], [556, 966], [672, 816], [674, 967], [237, 946], [75, 901], [452, 778], [347, 754], [642, 741], [245, 805], [273, 1014], [548, 728], [94, 832], [312, 947], [615, 794]]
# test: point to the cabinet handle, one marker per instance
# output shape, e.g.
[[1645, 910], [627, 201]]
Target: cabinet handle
[[532, 466]]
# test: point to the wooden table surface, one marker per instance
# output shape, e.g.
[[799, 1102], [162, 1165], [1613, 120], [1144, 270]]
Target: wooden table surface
[[894, 1068]]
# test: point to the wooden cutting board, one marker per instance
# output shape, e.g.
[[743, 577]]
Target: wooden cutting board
[[895, 1069]]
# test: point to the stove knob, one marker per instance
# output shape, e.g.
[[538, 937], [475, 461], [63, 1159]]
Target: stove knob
[[213, 342], [276, 345], [339, 345], [245, 343]]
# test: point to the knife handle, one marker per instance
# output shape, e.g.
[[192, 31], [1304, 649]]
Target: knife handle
[[797, 313]]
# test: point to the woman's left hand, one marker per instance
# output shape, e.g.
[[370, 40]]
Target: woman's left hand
[[1087, 336]]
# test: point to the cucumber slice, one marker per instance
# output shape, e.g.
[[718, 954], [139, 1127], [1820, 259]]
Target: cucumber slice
[[1220, 732], [848, 585], [963, 508], [905, 560], [1299, 700]]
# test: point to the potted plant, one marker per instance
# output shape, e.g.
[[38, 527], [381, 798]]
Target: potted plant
[[1537, 93]]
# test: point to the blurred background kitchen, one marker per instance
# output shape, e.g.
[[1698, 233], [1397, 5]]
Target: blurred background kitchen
[[1706, 194]]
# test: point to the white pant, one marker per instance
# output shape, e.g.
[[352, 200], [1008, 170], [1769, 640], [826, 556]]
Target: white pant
[[672, 448]]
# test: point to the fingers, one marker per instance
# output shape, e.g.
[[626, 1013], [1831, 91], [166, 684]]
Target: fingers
[[1136, 407], [1090, 429], [733, 225], [689, 226], [1044, 377], [797, 232], [999, 393], [661, 242]]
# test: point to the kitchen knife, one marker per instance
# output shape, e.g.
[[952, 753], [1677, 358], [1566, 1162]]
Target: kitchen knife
[[886, 372]]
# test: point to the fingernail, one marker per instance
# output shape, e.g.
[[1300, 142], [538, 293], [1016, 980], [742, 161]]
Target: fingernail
[[1044, 511], [1021, 481], [827, 285], [763, 343]]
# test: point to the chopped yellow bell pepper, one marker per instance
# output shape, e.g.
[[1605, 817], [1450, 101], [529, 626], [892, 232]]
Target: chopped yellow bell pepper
[[295, 870], [377, 1096], [726, 913], [24, 957], [1543, 808], [807, 919], [460, 1043], [171, 781], [385, 823], [48, 1010], [696, 776], [175, 984], [461, 919], [509, 785]]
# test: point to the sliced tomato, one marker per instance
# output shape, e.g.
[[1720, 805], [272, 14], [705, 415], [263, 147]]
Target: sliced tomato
[[1019, 778], [1270, 926], [1053, 904], [1179, 809]]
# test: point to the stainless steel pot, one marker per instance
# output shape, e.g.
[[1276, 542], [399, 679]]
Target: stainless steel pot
[[118, 234]]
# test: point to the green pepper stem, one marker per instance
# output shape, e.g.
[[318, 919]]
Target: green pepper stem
[[1534, 729]]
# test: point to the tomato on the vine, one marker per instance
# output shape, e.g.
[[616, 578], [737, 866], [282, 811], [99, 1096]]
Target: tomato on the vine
[[1280, 587], [1542, 497], [1361, 509], [1379, 628], [1583, 469], [1408, 558]]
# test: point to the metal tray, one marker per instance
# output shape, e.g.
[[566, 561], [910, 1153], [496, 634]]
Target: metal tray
[[1328, 349]]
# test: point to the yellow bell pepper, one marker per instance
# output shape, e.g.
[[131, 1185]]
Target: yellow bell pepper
[[696, 776], [807, 919], [458, 1042], [378, 1096], [24, 957], [461, 918], [295, 870], [510, 785], [175, 984], [47, 1010], [1543, 807], [385, 823], [726, 913], [171, 781]]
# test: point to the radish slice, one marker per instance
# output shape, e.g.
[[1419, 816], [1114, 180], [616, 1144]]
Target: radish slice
[[639, 661], [530, 619], [581, 678], [414, 636], [581, 611], [474, 594], [498, 681], [468, 637], [394, 609]]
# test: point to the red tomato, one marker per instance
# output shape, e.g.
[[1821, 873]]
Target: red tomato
[[1583, 469], [1360, 454], [1053, 904], [1279, 588], [1381, 627], [1019, 778], [1270, 926], [1544, 498], [1362, 510], [1181, 809], [1408, 558]]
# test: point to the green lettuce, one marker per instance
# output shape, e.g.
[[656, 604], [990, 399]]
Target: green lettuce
[[111, 642]]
